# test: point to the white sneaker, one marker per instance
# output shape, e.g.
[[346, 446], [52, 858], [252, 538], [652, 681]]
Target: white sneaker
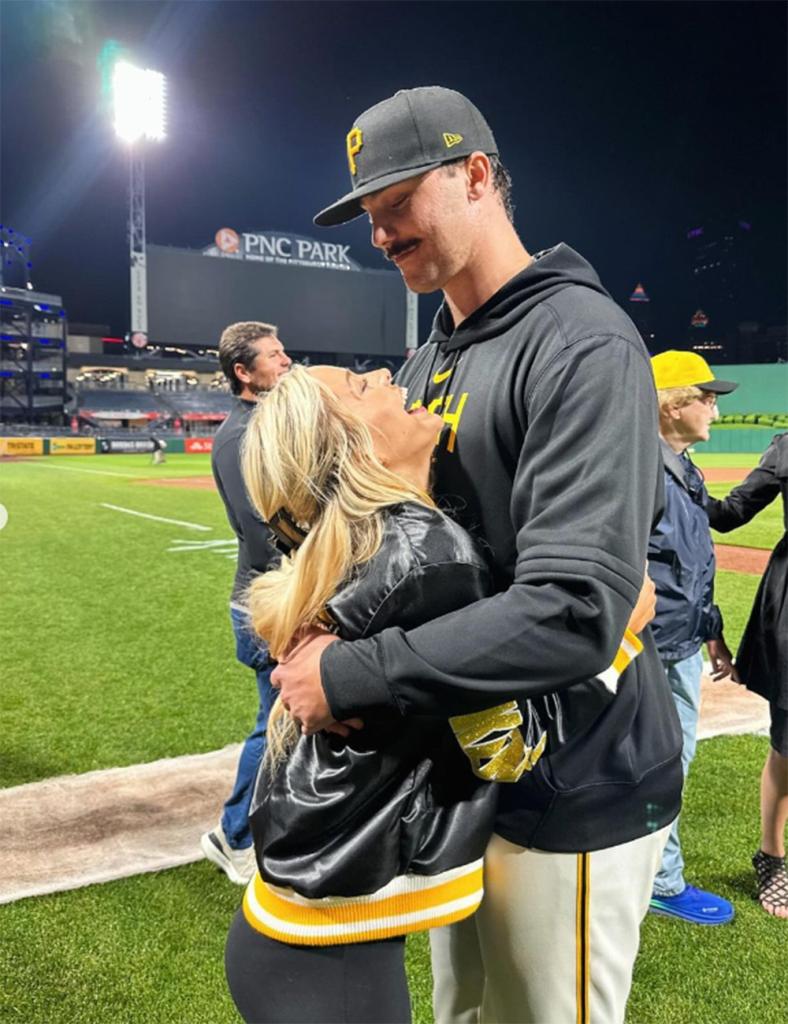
[[238, 865]]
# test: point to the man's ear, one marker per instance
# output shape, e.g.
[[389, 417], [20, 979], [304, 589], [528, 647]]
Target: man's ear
[[479, 174], [241, 373]]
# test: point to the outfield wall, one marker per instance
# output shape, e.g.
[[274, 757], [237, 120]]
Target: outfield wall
[[724, 439], [763, 387], [24, 447], [752, 439]]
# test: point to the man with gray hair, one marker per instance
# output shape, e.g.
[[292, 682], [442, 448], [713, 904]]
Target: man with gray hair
[[253, 359], [682, 565]]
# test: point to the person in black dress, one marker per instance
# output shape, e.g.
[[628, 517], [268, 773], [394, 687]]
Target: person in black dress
[[762, 662]]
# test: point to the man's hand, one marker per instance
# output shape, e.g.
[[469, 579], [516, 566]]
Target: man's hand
[[646, 607], [297, 677], [721, 660]]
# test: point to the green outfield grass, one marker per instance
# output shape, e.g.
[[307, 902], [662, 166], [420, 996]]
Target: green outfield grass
[[116, 650], [148, 950], [734, 592], [767, 528], [761, 532], [116, 640]]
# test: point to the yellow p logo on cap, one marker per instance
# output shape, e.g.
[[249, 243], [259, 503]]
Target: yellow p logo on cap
[[354, 142]]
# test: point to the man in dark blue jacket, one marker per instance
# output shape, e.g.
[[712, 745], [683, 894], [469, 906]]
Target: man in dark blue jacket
[[253, 359], [681, 563]]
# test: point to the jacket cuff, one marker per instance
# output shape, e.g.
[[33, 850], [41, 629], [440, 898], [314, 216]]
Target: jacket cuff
[[353, 678], [629, 648], [714, 623]]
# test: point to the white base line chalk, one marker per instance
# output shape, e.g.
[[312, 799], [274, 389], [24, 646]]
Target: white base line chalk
[[158, 519], [84, 469]]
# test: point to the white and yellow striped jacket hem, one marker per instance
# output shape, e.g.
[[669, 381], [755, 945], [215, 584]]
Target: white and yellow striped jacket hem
[[629, 648], [409, 903]]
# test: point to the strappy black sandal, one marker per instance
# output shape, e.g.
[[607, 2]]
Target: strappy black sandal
[[772, 883]]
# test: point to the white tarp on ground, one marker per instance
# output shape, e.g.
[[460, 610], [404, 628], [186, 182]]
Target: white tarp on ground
[[77, 830]]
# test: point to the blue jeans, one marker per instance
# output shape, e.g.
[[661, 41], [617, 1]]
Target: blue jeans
[[252, 652], [684, 678]]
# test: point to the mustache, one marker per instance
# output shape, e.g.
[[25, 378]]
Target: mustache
[[394, 250]]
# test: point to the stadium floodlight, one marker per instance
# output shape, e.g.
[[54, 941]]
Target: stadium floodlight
[[139, 101]]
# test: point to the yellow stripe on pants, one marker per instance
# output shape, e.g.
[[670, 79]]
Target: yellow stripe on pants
[[582, 937]]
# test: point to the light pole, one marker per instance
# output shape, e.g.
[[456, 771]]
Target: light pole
[[139, 103]]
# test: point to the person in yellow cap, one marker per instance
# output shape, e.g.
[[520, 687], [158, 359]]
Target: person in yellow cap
[[681, 563]]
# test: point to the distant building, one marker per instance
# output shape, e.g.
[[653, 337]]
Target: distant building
[[711, 344], [639, 309], [724, 288]]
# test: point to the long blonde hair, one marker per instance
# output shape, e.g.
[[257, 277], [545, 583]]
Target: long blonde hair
[[307, 453]]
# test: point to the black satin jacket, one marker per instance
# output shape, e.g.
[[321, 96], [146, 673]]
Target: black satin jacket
[[345, 817]]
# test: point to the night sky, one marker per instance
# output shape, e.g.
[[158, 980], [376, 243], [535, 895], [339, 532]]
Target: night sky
[[623, 125]]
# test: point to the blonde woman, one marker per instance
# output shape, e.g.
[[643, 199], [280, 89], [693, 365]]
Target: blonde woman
[[366, 835]]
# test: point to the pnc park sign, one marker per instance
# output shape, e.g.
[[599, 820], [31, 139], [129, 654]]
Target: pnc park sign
[[277, 247]]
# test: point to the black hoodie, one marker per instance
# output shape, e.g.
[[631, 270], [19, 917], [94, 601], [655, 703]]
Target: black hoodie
[[550, 456]]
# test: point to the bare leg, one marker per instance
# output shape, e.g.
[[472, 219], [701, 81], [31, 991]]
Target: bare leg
[[774, 804], [774, 814]]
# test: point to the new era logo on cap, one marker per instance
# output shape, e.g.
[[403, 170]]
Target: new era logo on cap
[[405, 136]]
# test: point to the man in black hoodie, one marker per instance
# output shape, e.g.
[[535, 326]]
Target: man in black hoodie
[[253, 359], [550, 458]]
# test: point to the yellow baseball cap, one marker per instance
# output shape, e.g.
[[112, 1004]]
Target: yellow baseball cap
[[674, 369]]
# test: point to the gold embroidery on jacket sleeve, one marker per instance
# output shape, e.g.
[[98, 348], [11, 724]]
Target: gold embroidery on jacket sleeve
[[493, 743]]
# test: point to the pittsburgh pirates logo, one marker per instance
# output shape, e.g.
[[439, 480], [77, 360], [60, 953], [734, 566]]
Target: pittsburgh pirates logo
[[451, 139], [353, 143]]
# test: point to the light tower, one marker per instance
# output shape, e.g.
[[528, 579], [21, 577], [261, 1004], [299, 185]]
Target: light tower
[[139, 102]]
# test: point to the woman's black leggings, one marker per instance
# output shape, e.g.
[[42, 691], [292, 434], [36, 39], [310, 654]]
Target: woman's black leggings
[[275, 983]]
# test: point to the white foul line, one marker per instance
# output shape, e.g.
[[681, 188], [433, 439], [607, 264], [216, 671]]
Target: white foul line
[[82, 469], [159, 519]]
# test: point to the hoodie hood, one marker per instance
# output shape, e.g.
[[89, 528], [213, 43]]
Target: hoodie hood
[[551, 271]]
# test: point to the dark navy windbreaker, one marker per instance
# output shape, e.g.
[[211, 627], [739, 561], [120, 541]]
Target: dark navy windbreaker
[[681, 563]]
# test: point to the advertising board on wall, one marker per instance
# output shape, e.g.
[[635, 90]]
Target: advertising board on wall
[[21, 446], [72, 446], [198, 444], [107, 445], [192, 298], [279, 247]]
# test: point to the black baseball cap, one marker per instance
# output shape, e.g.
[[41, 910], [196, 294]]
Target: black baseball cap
[[412, 132]]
